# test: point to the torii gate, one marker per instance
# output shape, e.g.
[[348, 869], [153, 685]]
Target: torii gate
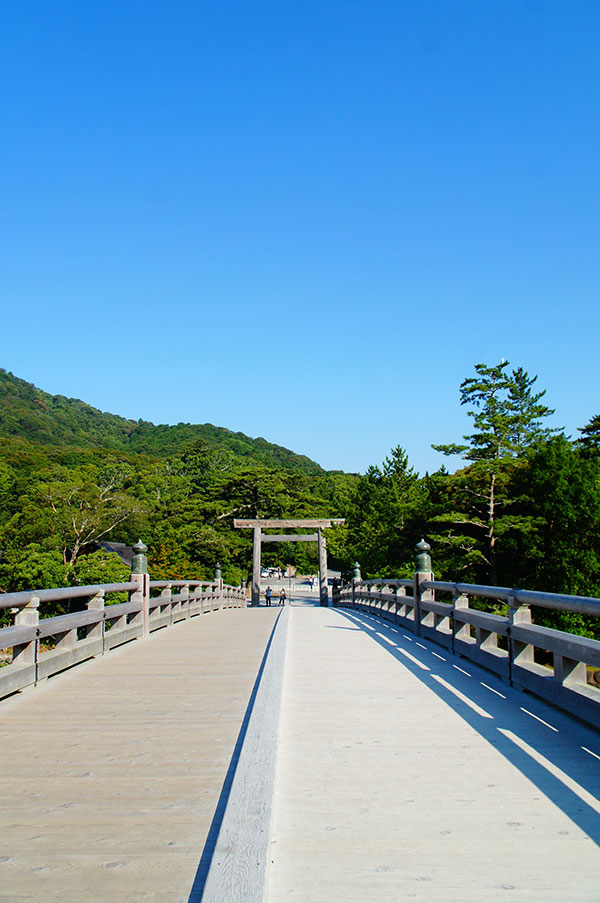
[[260, 537]]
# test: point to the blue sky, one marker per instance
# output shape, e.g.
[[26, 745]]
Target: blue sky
[[301, 220]]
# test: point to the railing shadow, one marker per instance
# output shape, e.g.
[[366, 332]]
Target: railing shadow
[[547, 746]]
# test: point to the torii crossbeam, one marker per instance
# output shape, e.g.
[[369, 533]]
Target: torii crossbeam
[[259, 537]]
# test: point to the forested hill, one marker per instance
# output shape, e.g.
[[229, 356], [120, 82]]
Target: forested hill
[[523, 510], [30, 413]]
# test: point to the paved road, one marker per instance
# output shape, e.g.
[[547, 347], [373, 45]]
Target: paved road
[[112, 772], [406, 774]]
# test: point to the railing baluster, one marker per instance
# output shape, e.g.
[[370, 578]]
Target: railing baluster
[[27, 653], [96, 631], [565, 685]]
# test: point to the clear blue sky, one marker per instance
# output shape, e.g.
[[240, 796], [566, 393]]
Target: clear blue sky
[[301, 220]]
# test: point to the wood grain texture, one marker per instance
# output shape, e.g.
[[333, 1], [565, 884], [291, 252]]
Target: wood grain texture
[[291, 537], [322, 523], [238, 871], [113, 770]]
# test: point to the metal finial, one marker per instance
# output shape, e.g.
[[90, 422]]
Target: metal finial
[[423, 558]]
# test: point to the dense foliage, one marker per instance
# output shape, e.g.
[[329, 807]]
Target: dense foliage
[[524, 510], [26, 411], [71, 476]]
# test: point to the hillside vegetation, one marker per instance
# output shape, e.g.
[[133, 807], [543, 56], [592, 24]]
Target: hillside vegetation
[[30, 413], [71, 476], [524, 510]]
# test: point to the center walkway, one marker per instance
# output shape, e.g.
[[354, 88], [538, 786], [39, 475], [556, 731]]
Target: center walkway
[[405, 774]]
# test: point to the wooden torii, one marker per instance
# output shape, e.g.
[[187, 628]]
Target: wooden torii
[[259, 537]]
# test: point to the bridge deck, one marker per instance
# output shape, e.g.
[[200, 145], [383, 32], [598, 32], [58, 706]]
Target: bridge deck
[[402, 777], [112, 771], [402, 773]]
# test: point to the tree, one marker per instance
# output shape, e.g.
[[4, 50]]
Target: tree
[[526, 412], [559, 489], [84, 506], [507, 416], [101, 567], [31, 567], [386, 516], [589, 441]]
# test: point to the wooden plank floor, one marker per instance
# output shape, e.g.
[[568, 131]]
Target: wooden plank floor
[[404, 773], [111, 772]]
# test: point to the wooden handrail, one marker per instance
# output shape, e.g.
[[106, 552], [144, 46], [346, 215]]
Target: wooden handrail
[[474, 634], [100, 627], [585, 605], [23, 598]]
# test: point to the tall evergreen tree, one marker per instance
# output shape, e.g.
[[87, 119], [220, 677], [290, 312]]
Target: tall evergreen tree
[[385, 516], [589, 441], [507, 416], [526, 411]]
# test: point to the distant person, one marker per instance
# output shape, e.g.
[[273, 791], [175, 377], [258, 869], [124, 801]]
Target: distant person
[[268, 595], [282, 596]]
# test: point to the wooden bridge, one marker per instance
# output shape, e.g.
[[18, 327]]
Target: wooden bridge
[[304, 752]]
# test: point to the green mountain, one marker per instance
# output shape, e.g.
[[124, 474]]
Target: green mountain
[[30, 413]]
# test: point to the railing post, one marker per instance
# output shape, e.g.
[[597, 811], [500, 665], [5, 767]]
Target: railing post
[[518, 653], [27, 653], [568, 671], [96, 631], [219, 582], [184, 603], [423, 573], [369, 603], [198, 594], [398, 603], [355, 579], [459, 600], [139, 575], [66, 640], [165, 602]]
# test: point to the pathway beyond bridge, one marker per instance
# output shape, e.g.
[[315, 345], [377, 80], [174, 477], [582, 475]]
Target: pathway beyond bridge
[[402, 773]]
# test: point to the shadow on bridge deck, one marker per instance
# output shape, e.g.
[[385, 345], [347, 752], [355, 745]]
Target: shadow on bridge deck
[[411, 774], [544, 744]]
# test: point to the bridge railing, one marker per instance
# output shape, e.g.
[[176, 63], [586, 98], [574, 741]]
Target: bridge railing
[[551, 663], [43, 647]]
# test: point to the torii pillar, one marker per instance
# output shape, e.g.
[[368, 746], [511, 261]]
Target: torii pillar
[[260, 537], [323, 585], [256, 559]]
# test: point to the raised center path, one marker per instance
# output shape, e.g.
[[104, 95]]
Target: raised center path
[[112, 772], [404, 773]]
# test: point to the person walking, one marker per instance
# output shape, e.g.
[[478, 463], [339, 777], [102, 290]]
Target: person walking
[[268, 594], [282, 596]]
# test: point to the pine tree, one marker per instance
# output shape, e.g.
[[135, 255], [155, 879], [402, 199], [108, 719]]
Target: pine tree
[[507, 417], [526, 411], [589, 441]]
